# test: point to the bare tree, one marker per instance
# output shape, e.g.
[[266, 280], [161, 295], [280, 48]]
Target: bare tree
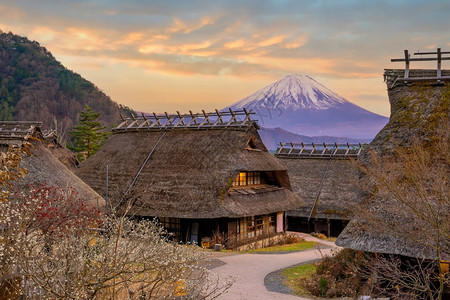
[[408, 207]]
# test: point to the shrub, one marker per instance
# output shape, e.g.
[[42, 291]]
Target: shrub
[[319, 235], [289, 238], [335, 277], [352, 273], [61, 247]]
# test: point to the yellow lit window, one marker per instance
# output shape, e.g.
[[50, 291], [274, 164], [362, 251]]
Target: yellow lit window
[[247, 178]]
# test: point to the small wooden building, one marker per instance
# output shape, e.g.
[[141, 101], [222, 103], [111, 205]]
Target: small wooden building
[[43, 166], [325, 177], [200, 174]]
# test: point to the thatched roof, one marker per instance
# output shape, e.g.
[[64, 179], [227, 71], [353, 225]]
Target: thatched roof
[[190, 172], [43, 166], [307, 164], [419, 115], [50, 138]]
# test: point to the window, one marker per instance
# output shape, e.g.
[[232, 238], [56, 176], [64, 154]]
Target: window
[[272, 222], [251, 227], [172, 225], [247, 178], [259, 225], [255, 226]]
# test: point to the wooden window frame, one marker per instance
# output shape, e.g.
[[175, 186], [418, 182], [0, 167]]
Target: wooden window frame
[[251, 232], [248, 178]]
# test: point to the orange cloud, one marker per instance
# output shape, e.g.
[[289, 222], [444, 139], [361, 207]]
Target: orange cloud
[[183, 27], [235, 44], [152, 48], [45, 34], [302, 65], [297, 42], [271, 41]]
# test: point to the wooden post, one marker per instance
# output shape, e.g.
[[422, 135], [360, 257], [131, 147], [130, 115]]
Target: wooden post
[[439, 58], [193, 118], [219, 116], [281, 147], [303, 148], [106, 183], [329, 227], [157, 119], [247, 116], [292, 148], [169, 119], [406, 64]]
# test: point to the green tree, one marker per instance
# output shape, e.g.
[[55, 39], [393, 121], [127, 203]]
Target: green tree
[[88, 136]]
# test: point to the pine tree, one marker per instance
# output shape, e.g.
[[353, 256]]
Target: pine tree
[[88, 136]]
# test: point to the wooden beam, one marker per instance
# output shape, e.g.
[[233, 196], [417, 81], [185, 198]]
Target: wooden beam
[[419, 59], [193, 118], [406, 64], [439, 57], [325, 148], [157, 119], [169, 119], [292, 148], [303, 148], [280, 149]]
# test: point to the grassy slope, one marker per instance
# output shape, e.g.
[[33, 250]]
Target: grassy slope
[[293, 275], [285, 248]]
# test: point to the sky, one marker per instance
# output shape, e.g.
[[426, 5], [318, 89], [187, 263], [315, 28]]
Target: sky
[[157, 56]]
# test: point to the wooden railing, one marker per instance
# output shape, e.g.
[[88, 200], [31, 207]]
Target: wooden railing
[[204, 120], [440, 56], [319, 150]]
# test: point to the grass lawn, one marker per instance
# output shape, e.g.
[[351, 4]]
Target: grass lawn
[[285, 248], [293, 276]]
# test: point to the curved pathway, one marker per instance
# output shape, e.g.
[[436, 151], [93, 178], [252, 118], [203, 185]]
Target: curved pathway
[[249, 270]]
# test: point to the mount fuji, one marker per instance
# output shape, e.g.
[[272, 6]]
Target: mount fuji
[[301, 105]]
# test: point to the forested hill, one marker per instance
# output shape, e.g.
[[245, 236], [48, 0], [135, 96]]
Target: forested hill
[[34, 86]]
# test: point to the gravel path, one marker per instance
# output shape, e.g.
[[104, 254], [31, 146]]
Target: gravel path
[[250, 271]]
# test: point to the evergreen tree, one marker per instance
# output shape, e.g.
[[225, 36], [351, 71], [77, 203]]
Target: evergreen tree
[[88, 136]]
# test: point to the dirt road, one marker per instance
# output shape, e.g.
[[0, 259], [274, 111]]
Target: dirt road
[[250, 270]]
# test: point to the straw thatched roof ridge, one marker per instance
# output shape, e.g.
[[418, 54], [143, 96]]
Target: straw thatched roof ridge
[[419, 115], [189, 173]]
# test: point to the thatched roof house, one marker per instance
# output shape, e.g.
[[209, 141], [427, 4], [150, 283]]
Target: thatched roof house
[[325, 177], [419, 116], [43, 167], [203, 166]]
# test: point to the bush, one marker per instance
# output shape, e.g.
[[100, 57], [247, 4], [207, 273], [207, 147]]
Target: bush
[[289, 238], [59, 247], [335, 277], [350, 273], [319, 235]]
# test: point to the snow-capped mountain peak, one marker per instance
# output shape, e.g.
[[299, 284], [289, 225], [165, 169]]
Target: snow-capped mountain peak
[[293, 92], [299, 104]]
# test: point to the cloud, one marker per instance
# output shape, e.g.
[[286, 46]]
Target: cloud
[[234, 39], [256, 34]]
